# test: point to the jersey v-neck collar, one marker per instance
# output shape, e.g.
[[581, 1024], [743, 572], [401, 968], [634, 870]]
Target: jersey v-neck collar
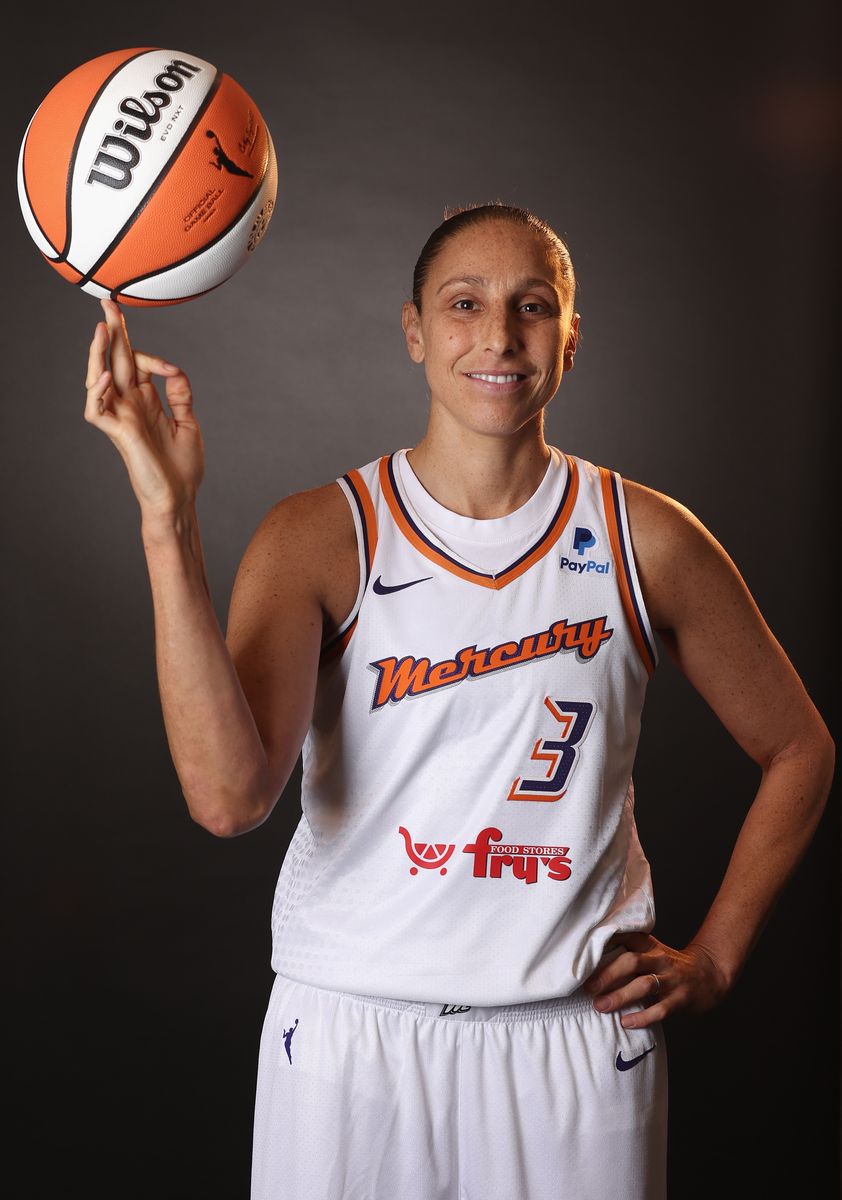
[[418, 536]]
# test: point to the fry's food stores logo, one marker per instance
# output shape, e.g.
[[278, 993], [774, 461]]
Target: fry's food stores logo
[[491, 857]]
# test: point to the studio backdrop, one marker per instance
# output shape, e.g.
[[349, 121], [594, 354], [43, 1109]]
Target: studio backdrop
[[686, 156]]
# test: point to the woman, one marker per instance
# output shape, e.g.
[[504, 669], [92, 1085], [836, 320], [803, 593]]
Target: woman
[[469, 998]]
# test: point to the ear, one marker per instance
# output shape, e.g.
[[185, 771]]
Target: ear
[[571, 343], [411, 323]]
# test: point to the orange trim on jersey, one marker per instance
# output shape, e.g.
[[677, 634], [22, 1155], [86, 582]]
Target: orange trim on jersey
[[368, 514], [334, 648], [623, 577], [441, 559]]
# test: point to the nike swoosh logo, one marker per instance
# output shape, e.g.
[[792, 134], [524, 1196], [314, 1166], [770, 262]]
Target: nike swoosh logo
[[383, 589], [626, 1065]]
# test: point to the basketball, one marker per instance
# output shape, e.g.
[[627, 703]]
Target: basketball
[[148, 176]]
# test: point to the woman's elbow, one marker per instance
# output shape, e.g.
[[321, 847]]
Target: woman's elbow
[[227, 820]]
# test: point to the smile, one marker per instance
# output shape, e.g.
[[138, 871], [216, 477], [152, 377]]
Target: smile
[[497, 383]]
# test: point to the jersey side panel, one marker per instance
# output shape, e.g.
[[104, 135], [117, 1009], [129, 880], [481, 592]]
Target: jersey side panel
[[296, 874]]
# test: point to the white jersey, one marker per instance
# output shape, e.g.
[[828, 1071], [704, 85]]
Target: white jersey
[[467, 827]]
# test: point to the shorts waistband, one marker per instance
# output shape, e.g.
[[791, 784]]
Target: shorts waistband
[[557, 1006]]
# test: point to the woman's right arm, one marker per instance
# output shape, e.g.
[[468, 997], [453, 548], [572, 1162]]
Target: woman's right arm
[[215, 746], [234, 731], [232, 769]]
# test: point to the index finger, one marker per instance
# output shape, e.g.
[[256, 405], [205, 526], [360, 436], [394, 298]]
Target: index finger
[[96, 354], [122, 359]]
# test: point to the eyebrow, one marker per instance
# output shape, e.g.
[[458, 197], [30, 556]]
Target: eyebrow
[[535, 281]]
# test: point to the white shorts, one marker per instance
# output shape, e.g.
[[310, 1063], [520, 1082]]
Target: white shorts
[[368, 1098]]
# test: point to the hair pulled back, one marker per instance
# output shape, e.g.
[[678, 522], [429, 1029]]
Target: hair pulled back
[[458, 218]]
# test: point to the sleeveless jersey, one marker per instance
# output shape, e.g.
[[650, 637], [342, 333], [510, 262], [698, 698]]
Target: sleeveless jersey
[[467, 828]]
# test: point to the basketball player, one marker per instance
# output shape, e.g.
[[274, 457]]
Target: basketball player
[[469, 999]]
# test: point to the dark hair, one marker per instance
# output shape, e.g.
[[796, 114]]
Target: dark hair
[[456, 219]]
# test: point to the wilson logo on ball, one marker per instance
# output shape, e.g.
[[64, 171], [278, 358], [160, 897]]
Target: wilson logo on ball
[[167, 81]]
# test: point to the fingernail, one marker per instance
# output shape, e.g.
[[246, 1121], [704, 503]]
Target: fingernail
[[603, 1004]]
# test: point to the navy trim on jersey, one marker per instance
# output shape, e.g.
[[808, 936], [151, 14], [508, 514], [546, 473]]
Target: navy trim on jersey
[[464, 566], [352, 617], [366, 547], [627, 568]]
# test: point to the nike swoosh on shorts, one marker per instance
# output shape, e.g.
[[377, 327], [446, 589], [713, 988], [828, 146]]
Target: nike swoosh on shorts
[[626, 1065]]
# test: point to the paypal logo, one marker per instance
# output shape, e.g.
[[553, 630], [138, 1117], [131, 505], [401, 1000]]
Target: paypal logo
[[583, 539], [584, 568]]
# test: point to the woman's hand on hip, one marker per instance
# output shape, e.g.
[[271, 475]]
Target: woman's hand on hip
[[664, 979]]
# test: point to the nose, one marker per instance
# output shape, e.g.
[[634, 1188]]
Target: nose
[[500, 330]]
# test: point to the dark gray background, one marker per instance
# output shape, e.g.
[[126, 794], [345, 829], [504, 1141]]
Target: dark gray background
[[687, 156]]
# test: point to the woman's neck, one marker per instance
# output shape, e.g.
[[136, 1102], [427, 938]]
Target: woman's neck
[[480, 475]]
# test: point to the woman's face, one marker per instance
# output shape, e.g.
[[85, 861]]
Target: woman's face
[[492, 303]]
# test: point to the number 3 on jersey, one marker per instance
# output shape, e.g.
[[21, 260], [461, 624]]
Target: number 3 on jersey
[[560, 752]]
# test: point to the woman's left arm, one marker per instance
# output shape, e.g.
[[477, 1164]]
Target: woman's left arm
[[714, 632]]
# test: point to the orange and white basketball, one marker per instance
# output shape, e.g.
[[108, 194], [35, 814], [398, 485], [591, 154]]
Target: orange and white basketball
[[147, 175]]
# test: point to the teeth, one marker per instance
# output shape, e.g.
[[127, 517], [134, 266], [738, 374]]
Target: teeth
[[496, 378]]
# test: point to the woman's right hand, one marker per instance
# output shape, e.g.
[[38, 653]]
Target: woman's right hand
[[164, 455]]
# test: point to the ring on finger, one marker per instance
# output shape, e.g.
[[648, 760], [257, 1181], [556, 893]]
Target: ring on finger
[[657, 983]]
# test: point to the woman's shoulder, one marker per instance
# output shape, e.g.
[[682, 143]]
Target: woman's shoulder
[[325, 510], [307, 539], [651, 511], [677, 556], [313, 517], [657, 517]]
